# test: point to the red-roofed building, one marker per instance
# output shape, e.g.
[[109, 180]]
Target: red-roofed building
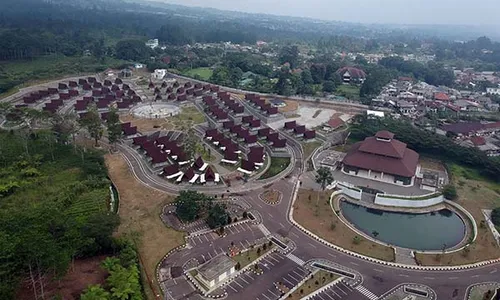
[[441, 97], [382, 158], [335, 123]]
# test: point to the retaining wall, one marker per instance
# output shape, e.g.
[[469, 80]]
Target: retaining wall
[[402, 201], [350, 190]]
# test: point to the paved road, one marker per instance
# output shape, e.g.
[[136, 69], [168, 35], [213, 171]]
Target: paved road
[[377, 278]]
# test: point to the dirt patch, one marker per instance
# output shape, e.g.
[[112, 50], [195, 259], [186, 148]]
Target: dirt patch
[[316, 215], [431, 164], [140, 209], [188, 117], [81, 274], [474, 195]]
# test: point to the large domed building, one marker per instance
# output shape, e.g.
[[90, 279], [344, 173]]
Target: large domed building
[[351, 75]]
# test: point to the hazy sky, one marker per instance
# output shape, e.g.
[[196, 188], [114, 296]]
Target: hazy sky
[[471, 12]]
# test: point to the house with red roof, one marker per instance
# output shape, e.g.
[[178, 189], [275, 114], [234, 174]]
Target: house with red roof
[[443, 97], [382, 158]]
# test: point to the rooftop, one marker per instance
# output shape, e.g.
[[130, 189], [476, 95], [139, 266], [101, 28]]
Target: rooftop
[[216, 266]]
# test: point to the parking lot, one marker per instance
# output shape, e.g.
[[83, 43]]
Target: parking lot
[[277, 268], [339, 291], [179, 288]]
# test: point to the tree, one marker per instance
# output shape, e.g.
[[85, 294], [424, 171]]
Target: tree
[[306, 77], [450, 192], [289, 54], [324, 178], [92, 122], [217, 216], [114, 126], [191, 143], [188, 205], [134, 50], [318, 72], [495, 216], [328, 86], [95, 292]]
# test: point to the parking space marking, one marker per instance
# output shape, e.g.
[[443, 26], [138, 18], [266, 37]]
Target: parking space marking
[[266, 296], [265, 259], [244, 280], [206, 238], [248, 226], [289, 282], [348, 287], [341, 290], [298, 274], [233, 288], [273, 258], [210, 255], [238, 284], [247, 274], [333, 291], [326, 294], [265, 266], [294, 277], [272, 293]]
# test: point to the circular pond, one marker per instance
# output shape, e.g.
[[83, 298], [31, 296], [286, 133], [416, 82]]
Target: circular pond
[[429, 231], [154, 111]]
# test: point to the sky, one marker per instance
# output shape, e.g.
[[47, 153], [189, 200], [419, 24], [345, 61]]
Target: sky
[[463, 12]]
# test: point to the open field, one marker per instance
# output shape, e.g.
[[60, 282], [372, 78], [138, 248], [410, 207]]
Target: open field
[[139, 211], [321, 277], [202, 73], [278, 165], [351, 92], [475, 193], [322, 221], [188, 117], [309, 148]]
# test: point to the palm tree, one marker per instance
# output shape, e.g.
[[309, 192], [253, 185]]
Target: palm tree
[[324, 177]]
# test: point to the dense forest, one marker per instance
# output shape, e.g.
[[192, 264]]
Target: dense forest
[[54, 208]]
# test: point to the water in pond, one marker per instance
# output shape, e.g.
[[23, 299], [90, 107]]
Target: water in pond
[[415, 231]]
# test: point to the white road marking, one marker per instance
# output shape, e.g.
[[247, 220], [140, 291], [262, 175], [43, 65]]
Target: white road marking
[[377, 270], [452, 278], [430, 278], [294, 234], [353, 263], [332, 255], [474, 276], [493, 271], [403, 275], [233, 288], [312, 245], [282, 225]]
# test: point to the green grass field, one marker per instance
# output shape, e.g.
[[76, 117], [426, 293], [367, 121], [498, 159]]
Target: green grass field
[[349, 91], [278, 165], [202, 73]]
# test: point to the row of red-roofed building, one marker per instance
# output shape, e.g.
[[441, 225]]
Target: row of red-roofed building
[[299, 130], [166, 153], [261, 104]]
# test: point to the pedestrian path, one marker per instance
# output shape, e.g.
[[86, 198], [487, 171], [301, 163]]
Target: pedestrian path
[[264, 230], [366, 292], [295, 259]]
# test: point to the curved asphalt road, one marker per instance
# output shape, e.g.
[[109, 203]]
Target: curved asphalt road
[[376, 277]]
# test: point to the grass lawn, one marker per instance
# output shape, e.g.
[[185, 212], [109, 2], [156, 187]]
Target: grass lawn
[[349, 91], [309, 148], [278, 165], [321, 277], [475, 193], [25, 73], [322, 221], [248, 257], [203, 73], [139, 212]]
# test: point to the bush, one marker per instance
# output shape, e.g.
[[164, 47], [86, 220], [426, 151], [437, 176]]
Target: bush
[[495, 216], [450, 192]]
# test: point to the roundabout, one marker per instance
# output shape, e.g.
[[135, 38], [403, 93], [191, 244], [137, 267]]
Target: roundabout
[[155, 111]]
